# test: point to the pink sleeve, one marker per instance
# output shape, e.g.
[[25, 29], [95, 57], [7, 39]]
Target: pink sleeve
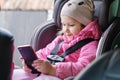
[[87, 54]]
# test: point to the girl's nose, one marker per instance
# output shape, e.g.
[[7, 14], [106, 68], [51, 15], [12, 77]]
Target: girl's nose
[[66, 29]]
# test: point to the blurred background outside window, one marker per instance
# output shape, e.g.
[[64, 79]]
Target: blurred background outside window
[[21, 17], [38, 5]]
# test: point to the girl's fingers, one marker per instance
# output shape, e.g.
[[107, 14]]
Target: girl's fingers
[[27, 69], [36, 64], [37, 67], [38, 61]]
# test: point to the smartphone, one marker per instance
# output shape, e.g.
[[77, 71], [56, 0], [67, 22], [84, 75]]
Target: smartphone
[[29, 56]]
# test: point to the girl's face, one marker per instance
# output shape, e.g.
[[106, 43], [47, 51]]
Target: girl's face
[[70, 26]]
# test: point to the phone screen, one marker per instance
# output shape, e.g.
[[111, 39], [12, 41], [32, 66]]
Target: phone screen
[[28, 55]]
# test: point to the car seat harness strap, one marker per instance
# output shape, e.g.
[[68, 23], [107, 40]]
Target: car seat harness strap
[[53, 57]]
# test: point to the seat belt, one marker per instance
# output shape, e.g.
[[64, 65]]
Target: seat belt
[[53, 57]]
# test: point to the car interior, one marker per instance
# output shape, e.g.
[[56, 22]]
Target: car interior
[[113, 29], [106, 65], [6, 54]]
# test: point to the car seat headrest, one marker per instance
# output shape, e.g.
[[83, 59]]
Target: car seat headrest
[[57, 9]]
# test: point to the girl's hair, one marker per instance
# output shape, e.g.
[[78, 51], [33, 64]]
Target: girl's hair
[[60, 32]]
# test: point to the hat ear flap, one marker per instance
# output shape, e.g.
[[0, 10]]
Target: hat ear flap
[[90, 4]]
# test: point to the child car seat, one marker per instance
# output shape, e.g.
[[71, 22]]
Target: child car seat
[[42, 36], [45, 33], [6, 54]]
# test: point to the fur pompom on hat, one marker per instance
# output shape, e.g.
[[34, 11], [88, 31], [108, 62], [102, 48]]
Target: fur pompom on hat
[[80, 10]]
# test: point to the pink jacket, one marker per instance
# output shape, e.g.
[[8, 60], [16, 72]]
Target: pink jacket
[[78, 60]]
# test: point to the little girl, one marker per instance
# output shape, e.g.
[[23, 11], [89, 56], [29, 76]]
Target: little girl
[[77, 24]]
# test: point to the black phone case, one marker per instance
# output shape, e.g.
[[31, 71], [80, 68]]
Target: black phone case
[[29, 56]]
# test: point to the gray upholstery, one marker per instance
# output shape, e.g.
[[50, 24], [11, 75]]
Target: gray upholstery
[[113, 29], [107, 38], [106, 67], [116, 42], [43, 34]]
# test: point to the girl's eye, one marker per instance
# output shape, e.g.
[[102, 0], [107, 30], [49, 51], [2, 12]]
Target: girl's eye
[[71, 25], [68, 25]]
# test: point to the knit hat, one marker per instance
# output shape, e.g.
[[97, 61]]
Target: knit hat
[[80, 10]]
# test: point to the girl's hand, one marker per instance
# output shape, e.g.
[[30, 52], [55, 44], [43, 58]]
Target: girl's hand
[[25, 67], [44, 67]]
